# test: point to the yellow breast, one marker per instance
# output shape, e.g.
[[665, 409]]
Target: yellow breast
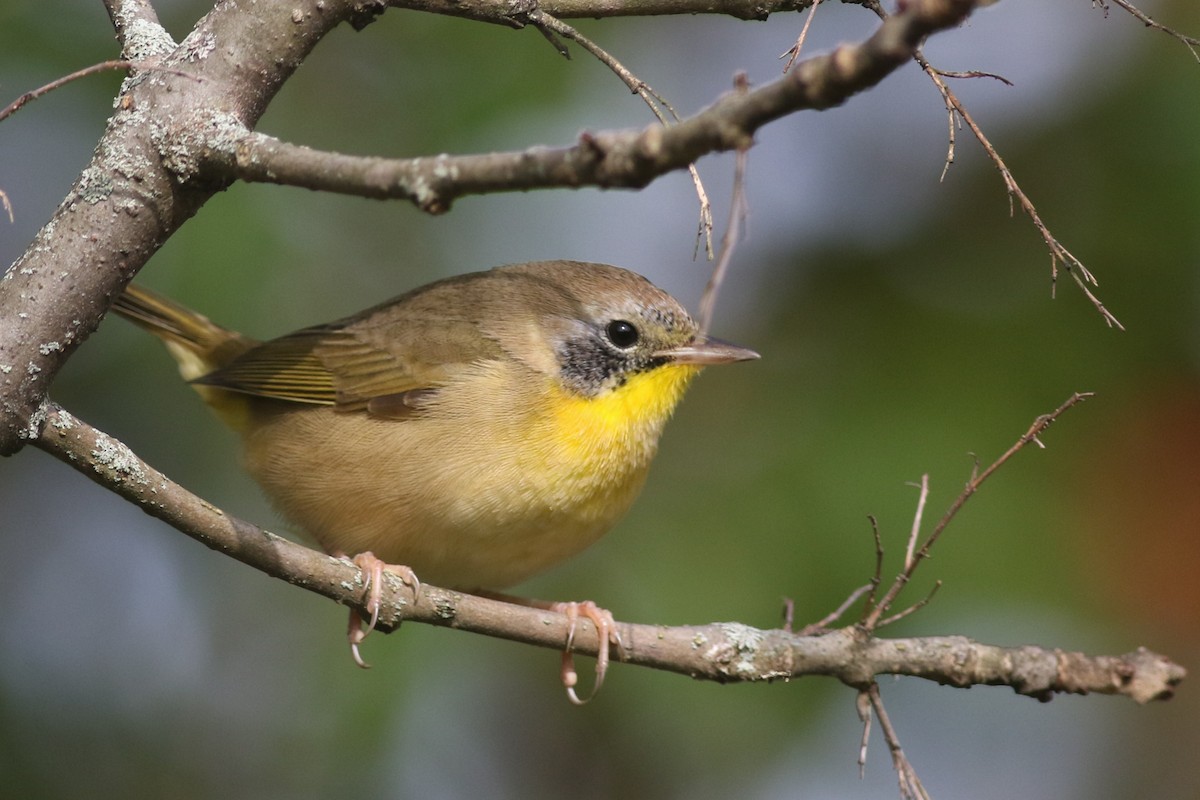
[[603, 445], [621, 426]]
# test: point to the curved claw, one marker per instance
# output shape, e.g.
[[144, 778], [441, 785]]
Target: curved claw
[[606, 633], [372, 578]]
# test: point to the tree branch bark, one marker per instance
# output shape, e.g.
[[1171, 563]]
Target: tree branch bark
[[627, 159], [722, 651], [139, 186], [513, 13]]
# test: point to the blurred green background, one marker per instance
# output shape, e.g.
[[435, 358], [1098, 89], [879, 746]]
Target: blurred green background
[[905, 324]]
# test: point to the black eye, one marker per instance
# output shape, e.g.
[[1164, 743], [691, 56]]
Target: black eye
[[622, 334]]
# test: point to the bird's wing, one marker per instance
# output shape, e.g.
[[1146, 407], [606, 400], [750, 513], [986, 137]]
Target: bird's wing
[[325, 366]]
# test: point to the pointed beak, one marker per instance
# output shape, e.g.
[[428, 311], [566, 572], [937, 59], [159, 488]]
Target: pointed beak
[[703, 352]]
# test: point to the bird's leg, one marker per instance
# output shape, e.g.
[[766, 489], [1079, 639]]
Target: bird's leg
[[606, 632], [372, 572], [606, 635]]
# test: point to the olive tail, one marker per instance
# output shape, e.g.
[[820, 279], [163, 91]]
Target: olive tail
[[198, 345]]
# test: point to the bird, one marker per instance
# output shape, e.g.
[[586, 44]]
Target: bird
[[469, 433]]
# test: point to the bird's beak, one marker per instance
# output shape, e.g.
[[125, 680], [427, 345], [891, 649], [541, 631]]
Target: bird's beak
[[703, 352]]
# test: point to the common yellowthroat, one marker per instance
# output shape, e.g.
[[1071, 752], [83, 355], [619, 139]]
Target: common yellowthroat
[[476, 430]]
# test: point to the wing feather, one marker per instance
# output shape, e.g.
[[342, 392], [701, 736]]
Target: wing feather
[[325, 366]]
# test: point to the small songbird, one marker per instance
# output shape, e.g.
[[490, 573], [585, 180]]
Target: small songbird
[[476, 430]]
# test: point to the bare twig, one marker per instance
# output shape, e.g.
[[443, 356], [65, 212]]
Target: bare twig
[[862, 704], [103, 66], [615, 159], [1190, 42], [733, 230], [823, 624], [794, 52], [916, 525], [871, 619], [704, 226], [877, 577], [954, 125], [1059, 255], [910, 784], [973, 73], [666, 114], [590, 9], [514, 14], [917, 606]]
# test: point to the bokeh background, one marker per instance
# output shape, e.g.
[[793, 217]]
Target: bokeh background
[[905, 324]]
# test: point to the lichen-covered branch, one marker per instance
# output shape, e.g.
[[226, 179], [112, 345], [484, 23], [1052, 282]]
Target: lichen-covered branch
[[131, 198], [724, 652]]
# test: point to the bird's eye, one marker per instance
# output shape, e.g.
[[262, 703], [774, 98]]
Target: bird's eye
[[623, 334]]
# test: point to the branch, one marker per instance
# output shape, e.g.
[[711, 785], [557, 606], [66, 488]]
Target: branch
[[135, 21], [723, 652], [511, 13], [628, 159]]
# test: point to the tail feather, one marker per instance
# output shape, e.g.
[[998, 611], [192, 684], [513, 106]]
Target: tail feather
[[198, 345]]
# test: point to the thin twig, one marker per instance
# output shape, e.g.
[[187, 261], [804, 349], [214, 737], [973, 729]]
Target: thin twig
[[871, 620], [954, 125], [877, 578], [1059, 255], [917, 606], [833, 616], [910, 785], [794, 53], [916, 525], [611, 159], [1191, 43], [862, 704], [729, 241], [973, 73], [103, 66], [549, 25]]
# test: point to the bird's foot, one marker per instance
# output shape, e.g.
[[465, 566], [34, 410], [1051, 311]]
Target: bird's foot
[[606, 634], [372, 578]]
